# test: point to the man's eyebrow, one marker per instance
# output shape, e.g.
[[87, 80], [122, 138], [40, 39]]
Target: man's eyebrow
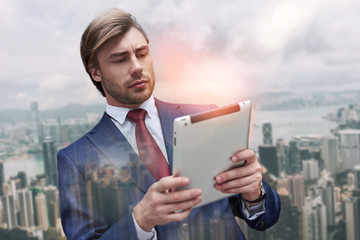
[[124, 53], [144, 47], [118, 54]]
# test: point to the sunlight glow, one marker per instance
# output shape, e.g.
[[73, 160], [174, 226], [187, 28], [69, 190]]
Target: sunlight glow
[[285, 17]]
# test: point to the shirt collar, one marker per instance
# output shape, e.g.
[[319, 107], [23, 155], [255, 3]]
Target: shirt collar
[[119, 113]]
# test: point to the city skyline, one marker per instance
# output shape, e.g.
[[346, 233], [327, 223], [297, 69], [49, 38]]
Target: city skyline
[[295, 167]]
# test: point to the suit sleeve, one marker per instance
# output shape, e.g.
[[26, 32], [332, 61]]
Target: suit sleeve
[[272, 209], [78, 221]]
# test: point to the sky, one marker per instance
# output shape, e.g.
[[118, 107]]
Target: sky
[[205, 51]]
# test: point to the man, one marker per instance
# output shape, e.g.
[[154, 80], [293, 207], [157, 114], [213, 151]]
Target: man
[[111, 188]]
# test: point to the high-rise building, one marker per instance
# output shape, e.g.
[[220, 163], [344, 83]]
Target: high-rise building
[[330, 153], [289, 225], [295, 187], [9, 211], [23, 179], [26, 208], [326, 190], [357, 177], [351, 180], [2, 177], [314, 219], [36, 135], [50, 162], [350, 148], [41, 211], [352, 218], [267, 133], [310, 169], [305, 153], [64, 132], [283, 155], [14, 185], [268, 157], [294, 158], [52, 197], [297, 190], [59, 133]]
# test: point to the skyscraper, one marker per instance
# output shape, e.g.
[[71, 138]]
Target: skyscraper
[[283, 155], [50, 163], [326, 190], [357, 177], [294, 157], [52, 197], [310, 169], [351, 180], [23, 179], [9, 211], [267, 133], [289, 223], [330, 153], [26, 208], [14, 185], [2, 177], [297, 190], [268, 157], [35, 124], [314, 219], [352, 218], [41, 211], [350, 148]]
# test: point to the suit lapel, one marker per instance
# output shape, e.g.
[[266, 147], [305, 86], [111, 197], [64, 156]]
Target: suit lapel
[[115, 147], [167, 113], [113, 144]]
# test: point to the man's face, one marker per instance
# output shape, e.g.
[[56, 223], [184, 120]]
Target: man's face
[[125, 70]]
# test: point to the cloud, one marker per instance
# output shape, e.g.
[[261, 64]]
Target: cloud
[[54, 82], [221, 50], [19, 96]]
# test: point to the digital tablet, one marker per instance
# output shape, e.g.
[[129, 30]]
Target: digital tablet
[[204, 142]]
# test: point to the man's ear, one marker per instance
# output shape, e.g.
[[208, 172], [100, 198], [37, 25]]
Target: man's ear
[[95, 73]]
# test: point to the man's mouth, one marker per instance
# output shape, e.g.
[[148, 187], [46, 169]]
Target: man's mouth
[[138, 84]]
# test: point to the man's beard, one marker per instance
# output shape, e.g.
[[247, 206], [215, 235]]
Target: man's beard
[[125, 97]]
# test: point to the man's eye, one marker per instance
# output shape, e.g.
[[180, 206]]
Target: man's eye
[[120, 60], [141, 54]]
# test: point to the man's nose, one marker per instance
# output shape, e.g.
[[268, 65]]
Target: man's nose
[[136, 67]]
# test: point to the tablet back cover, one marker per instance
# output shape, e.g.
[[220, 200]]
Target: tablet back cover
[[204, 143]]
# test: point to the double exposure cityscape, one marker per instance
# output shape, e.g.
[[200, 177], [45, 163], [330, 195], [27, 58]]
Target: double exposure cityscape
[[316, 176]]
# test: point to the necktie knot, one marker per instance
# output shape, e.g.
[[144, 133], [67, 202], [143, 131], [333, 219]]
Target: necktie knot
[[136, 115]]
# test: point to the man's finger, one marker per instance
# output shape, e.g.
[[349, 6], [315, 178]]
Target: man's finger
[[182, 206], [167, 183], [243, 189], [182, 195], [239, 182], [246, 155], [239, 172], [179, 215]]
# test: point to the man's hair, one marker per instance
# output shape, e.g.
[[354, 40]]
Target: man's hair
[[110, 24]]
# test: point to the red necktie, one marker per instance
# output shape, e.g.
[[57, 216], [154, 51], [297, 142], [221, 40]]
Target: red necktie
[[149, 151]]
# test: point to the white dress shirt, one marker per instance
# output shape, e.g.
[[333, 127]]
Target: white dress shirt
[[127, 127]]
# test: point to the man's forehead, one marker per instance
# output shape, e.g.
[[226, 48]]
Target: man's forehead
[[131, 40]]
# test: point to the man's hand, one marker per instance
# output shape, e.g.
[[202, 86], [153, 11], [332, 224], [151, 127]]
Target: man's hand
[[245, 179], [162, 203]]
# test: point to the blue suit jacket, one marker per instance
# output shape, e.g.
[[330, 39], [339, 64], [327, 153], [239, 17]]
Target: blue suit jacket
[[101, 179]]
